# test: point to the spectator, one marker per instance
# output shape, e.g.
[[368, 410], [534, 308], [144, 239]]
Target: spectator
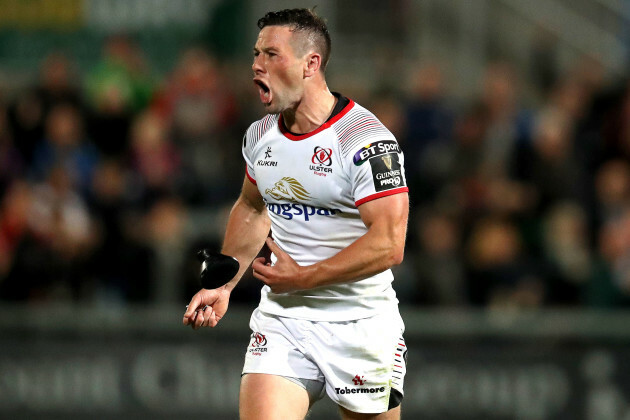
[[610, 283], [26, 123], [438, 263], [501, 273], [47, 234], [122, 261], [612, 191], [14, 229], [154, 159], [566, 246], [429, 124], [11, 164], [65, 145], [201, 110], [58, 83], [553, 168], [119, 86], [166, 223]]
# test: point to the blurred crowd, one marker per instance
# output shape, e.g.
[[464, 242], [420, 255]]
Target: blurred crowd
[[112, 178]]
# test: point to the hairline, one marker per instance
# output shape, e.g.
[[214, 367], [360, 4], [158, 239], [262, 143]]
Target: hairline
[[305, 33]]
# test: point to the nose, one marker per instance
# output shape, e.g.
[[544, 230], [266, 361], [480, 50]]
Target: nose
[[257, 64]]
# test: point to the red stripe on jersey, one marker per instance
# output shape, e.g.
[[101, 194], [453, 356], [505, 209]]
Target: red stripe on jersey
[[360, 125], [381, 194], [322, 127], [249, 176]]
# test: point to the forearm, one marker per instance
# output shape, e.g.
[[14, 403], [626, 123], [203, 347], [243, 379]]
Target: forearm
[[373, 253], [245, 234], [381, 247]]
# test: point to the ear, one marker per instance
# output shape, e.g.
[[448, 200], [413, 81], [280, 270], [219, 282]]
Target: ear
[[312, 63]]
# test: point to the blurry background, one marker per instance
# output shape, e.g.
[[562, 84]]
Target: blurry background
[[120, 131]]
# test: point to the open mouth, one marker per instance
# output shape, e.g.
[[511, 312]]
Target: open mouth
[[264, 91]]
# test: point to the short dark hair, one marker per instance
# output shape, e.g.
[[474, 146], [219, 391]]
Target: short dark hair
[[302, 20]]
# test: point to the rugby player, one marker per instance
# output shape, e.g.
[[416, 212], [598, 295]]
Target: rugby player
[[327, 177]]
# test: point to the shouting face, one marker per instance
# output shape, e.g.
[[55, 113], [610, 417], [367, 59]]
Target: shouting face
[[278, 69]]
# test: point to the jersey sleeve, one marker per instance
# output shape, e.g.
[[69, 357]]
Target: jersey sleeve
[[252, 136], [376, 170], [249, 162]]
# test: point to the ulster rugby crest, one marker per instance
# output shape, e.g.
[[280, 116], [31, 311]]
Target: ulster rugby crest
[[321, 161]]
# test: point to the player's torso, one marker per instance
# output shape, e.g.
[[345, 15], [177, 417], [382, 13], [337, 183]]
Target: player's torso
[[313, 186], [307, 193], [302, 179]]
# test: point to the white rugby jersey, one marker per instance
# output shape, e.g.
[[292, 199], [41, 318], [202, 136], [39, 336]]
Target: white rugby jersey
[[312, 185]]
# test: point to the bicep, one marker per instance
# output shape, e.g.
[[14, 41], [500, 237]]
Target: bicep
[[388, 213], [251, 197]]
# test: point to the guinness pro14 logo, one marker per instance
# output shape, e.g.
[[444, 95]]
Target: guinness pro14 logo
[[386, 172]]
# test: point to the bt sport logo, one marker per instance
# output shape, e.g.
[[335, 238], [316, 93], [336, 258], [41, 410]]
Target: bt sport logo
[[375, 149]]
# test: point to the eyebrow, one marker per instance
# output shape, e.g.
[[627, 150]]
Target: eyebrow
[[266, 49]]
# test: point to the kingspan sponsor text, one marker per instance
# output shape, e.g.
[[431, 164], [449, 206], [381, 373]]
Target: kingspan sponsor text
[[294, 210]]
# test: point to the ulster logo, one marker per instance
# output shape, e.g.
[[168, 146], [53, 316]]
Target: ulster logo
[[258, 340], [288, 189], [259, 344], [321, 161], [322, 157]]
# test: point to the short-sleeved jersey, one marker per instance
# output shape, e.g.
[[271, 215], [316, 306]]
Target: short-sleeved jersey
[[312, 185]]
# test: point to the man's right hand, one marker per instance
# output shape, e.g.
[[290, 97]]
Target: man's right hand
[[207, 307]]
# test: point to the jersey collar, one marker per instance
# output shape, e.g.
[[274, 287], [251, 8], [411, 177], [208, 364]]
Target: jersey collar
[[328, 123]]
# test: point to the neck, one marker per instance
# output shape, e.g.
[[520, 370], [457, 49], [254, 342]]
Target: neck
[[311, 111]]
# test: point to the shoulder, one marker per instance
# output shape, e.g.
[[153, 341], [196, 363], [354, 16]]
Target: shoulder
[[358, 127], [258, 129]]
